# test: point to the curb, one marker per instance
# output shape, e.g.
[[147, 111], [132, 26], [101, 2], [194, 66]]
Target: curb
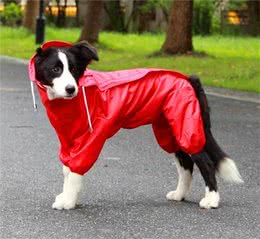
[[10, 59], [233, 94], [212, 91]]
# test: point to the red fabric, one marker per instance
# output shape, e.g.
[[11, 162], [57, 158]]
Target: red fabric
[[125, 99]]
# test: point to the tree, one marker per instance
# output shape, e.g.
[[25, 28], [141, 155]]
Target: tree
[[116, 16], [254, 17], [147, 11], [144, 15], [179, 33], [77, 12], [30, 14], [61, 18], [92, 21]]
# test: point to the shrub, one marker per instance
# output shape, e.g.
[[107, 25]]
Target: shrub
[[202, 18], [11, 15]]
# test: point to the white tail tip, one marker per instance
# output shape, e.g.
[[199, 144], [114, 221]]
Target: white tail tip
[[229, 172]]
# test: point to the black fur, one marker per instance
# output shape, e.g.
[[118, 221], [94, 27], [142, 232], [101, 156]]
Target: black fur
[[211, 147], [207, 169], [208, 160], [185, 160], [46, 66]]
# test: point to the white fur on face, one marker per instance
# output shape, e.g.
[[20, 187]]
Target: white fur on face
[[60, 83]]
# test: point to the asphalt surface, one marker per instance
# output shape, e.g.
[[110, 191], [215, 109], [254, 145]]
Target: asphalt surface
[[124, 193]]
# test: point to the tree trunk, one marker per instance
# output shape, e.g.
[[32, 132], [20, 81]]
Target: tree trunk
[[61, 18], [254, 17], [30, 14], [83, 6], [77, 12], [116, 16], [179, 33], [92, 21], [145, 17]]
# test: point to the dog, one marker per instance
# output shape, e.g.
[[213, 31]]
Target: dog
[[86, 107]]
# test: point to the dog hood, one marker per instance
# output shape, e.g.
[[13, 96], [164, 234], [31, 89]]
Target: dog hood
[[122, 99]]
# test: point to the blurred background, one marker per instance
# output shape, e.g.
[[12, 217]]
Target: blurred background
[[239, 17], [217, 39]]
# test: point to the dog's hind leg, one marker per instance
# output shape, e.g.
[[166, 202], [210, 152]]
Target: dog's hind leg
[[71, 188], [208, 171], [184, 166]]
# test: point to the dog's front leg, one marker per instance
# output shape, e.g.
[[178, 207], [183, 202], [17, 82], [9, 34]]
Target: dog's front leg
[[59, 200], [71, 188]]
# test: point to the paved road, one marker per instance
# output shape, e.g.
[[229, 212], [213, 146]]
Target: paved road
[[124, 194]]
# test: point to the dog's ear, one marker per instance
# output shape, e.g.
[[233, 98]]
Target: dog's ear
[[42, 53], [39, 51], [39, 55], [85, 51]]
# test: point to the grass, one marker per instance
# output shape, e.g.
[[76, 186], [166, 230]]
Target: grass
[[231, 62]]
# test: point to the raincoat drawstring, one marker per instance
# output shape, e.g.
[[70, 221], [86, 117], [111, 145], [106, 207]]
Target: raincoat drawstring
[[85, 101], [33, 97], [87, 110]]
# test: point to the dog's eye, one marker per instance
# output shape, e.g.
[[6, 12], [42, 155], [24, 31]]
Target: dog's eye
[[56, 69]]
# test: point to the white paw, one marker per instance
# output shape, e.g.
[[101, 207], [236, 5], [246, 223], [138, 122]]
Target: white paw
[[61, 202], [211, 200], [175, 195], [69, 205]]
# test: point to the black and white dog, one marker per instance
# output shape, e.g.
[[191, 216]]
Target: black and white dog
[[59, 70]]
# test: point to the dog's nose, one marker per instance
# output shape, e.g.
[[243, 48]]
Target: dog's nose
[[70, 89]]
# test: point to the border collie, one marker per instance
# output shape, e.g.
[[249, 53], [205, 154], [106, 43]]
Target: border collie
[[59, 69]]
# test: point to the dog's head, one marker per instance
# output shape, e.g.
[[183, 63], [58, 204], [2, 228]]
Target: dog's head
[[59, 69]]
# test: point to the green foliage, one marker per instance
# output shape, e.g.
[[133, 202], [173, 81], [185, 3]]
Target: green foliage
[[11, 15], [70, 22], [239, 29], [236, 5], [116, 16], [9, 1], [232, 62], [215, 24], [151, 5], [202, 16]]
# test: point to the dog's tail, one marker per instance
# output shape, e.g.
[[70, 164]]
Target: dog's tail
[[225, 167]]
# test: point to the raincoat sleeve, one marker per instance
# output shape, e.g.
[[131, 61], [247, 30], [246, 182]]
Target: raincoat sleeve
[[86, 149]]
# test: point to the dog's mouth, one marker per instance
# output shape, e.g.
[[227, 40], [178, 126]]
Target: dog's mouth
[[69, 97], [52, 94]]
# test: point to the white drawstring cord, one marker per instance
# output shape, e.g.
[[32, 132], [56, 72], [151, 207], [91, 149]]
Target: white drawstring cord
[[33, 98], [87, 110], [85, 101]]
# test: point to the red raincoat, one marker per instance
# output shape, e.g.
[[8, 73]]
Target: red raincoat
[[123, 99]]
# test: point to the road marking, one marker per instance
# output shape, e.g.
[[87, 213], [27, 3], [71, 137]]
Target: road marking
[[14, 60], [112, 158], [21, 127], [13, 89], [242, 98]]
